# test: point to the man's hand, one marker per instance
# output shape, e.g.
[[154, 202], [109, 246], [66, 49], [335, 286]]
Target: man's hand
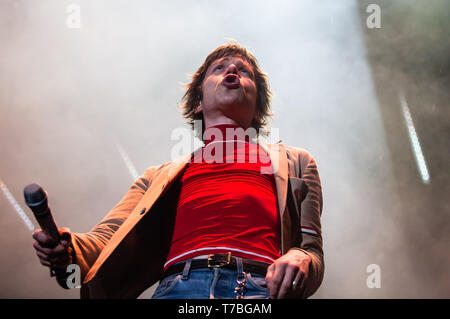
[[59, 256], [288, 274]]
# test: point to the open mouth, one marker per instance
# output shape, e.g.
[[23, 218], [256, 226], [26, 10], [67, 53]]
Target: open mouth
[[231, 81]]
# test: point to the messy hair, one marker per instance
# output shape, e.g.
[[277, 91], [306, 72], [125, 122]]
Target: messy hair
[[193, 94]]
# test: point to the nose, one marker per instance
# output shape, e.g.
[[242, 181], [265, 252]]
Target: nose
[[232, 69]]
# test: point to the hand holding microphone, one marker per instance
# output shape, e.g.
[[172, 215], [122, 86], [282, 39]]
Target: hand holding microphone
[[52, 245], [59, 256]]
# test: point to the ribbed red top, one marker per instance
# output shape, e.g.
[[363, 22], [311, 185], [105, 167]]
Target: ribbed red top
[[226, 203]]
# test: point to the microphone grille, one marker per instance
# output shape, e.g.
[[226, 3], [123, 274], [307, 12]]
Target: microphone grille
[[34, 194]]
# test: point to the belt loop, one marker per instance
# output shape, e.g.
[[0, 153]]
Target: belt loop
[[239, 266], [187, 267], [240, 288]]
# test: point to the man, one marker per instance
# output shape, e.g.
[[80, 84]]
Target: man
[[224, 222]]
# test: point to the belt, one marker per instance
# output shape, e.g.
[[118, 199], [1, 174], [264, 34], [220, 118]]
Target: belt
[[220, 261]]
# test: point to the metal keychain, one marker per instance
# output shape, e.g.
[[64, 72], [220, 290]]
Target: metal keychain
[[240, 288]]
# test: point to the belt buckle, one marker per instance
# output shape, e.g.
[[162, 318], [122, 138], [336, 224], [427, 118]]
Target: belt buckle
[[219, 260]]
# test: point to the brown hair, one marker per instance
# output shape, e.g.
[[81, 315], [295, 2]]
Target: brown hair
[[193, 95]]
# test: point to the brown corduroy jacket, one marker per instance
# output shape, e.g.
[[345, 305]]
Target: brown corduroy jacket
[[124, 254]]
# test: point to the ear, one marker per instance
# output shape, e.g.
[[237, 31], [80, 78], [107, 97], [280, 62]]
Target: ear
[[199, 108]]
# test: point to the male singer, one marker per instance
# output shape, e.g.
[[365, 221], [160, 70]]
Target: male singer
[[234, 219]]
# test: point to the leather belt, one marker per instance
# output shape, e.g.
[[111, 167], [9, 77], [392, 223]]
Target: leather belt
[[220, 261]]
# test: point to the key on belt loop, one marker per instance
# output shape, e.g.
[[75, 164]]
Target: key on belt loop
[[219, 260]]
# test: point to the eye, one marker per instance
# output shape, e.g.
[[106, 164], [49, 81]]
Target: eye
[[246, 72], [218, 67]]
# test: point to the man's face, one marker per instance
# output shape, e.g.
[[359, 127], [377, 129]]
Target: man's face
[[229, 89]]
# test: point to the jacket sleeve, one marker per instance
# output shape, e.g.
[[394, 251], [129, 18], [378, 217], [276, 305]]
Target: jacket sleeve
[[87, 246], [311, 231]]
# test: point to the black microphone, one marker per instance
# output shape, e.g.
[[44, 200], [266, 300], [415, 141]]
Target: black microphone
[[36, 199]]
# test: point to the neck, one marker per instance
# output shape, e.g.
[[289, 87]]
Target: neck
[[225, 132], [220, 121], [217, 117]]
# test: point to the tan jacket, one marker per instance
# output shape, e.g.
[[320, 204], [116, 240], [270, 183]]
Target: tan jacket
[[124, 254]]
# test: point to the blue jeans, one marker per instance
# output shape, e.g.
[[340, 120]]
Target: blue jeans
[[211, 283]]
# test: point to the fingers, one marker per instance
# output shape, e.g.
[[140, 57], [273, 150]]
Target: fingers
[[43, 258], [60, 256], [57, 257], [274, 278], [42, 238], [62, 260], [55, 251], [45, 240], [288, 274], [298, 281], [269, 281], [60, 249], [304, 277], [286, 286]]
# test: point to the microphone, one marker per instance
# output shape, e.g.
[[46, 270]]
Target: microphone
[[36, 199]]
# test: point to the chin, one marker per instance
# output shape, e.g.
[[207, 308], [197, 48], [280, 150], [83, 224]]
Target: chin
[[231, 100]]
